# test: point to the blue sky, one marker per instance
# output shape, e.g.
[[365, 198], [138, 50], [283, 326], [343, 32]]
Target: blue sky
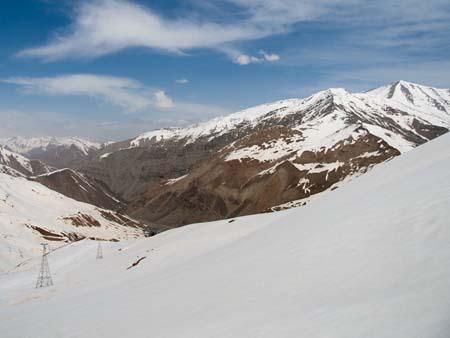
[[110, 69]]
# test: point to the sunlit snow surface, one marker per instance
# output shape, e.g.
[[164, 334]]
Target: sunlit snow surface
[[371, 259]]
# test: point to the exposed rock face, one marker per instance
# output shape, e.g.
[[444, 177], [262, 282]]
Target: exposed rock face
[[275, 154], [130, 172], [80, 187]]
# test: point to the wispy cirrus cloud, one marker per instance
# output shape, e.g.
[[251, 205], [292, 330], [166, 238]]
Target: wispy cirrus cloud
[[91, 33], [381, 23]]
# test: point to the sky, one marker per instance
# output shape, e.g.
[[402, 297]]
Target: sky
[[111, 69]]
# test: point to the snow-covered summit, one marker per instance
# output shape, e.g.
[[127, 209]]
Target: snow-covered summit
[[434, 100]]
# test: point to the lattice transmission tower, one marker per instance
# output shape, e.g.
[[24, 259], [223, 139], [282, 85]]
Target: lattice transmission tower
[[44, 279], [99, 251]]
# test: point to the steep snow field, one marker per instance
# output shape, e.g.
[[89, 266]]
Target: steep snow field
[[371, 259]]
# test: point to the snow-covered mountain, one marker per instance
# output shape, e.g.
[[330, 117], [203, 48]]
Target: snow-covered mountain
[[58, 152], [428, 100], [429, 105], [293, 149], [31, 213], [368, 260]]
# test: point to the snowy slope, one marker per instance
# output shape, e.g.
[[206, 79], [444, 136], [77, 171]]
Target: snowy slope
[[431, 101], [371, 259], [15, 161], [30, 213]]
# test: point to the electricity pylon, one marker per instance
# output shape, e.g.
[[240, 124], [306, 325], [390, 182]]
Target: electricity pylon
[[99, 251], [44, 278]]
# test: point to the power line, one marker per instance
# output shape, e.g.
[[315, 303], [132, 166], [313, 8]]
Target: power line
[[99, 251], [44, 278]]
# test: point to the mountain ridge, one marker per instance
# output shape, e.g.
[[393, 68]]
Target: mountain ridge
[[294, 148], [302, 146]]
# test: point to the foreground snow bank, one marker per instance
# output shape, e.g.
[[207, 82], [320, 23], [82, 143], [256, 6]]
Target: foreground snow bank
[[371, 259]]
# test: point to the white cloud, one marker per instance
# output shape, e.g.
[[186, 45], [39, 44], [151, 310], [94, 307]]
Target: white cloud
[[122, 92], [270, 57], [182, 81], [244, 59], [162, 100], [91, 33]]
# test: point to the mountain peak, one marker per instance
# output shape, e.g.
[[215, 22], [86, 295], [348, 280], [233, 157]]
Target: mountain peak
[[334, 92], [433, 101]]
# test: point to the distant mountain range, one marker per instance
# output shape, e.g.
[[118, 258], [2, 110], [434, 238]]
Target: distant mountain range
[[265, 158], [55, 151]]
